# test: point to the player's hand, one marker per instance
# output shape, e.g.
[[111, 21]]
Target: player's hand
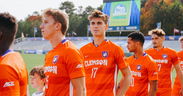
[[181, 92]]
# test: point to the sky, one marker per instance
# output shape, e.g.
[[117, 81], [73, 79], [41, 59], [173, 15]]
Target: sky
[[22, 8]]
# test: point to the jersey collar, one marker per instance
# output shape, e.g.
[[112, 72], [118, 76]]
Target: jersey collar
[[6, 52], [63, 41], [105, 40]]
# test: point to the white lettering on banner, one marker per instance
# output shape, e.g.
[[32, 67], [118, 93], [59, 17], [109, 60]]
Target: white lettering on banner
[[96, 62], [161, 60], [138, 74], [52, 69]]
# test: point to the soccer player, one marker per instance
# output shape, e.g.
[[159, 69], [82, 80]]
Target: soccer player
[[165, 58], [13, 72], [143, 68], [37, 80], [177, 85], [102, 59], [63, 64]]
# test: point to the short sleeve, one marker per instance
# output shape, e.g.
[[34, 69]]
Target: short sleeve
[[9, 83], [119, 57], [174, 58], [74, 64], [152, 70]]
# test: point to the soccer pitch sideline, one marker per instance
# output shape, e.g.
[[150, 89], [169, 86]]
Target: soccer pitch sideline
[[32, 60]]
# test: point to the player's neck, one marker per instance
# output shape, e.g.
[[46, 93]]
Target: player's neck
[[159, 47], [98, 40], [56, 40], [138, 53]]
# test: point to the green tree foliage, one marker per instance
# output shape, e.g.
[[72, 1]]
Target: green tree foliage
[[27, 26], [78, 21], [169, 14]]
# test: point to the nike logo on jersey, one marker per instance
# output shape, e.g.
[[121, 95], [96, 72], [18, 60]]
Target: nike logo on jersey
[[8, 84], [79, 66]]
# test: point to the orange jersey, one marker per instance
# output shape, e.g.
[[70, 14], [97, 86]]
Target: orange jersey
[[165, 58], [143, 70], [177, 85], [101, 66], [62, 64], [13, 75]]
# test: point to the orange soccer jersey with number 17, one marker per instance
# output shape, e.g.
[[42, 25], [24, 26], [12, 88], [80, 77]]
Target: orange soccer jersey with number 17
[[101, 65], [177, 85], [165, 58], [13, 75], [143, 70]]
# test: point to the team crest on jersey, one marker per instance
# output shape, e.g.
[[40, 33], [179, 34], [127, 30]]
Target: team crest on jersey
[[164, 56], [139, 67], [55, 59], [105, 54]]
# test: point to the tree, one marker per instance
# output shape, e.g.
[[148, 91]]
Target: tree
[[68, 7], [164, 12]]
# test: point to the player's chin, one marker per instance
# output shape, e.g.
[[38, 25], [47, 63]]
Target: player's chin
[[154, 46], [44, 36]]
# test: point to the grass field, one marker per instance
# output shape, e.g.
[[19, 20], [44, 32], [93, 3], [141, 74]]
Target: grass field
[[32, 60], [35, 59]]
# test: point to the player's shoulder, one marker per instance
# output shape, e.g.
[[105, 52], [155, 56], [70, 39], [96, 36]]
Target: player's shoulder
[[129, 58], [109, 42], [11, 56], [113, 46], [149, 50], [170, 50], [13, 60], [86, 47], [149, 58], [180, 52]]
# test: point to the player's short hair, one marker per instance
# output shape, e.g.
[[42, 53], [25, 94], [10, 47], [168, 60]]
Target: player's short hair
[[8, 30], [38, 70], [59, 16], [98, 14], [181, 38], [137, 36], [158, 32]]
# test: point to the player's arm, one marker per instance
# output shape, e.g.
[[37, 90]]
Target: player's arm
[[125, 81], [180, 75], [153, 87], [79, 85]]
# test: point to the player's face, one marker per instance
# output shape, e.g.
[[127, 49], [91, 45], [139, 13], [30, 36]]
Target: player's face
[[36, 81], [157, 41], [48, 27], [98, 27], [131, 45], [181, 44]]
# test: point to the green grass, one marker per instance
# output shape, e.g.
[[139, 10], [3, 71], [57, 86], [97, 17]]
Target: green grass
[[32, 60]]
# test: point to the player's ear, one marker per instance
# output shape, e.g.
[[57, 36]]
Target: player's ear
[[138, 43], [58, 26], [106, 27], [163, 37]]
